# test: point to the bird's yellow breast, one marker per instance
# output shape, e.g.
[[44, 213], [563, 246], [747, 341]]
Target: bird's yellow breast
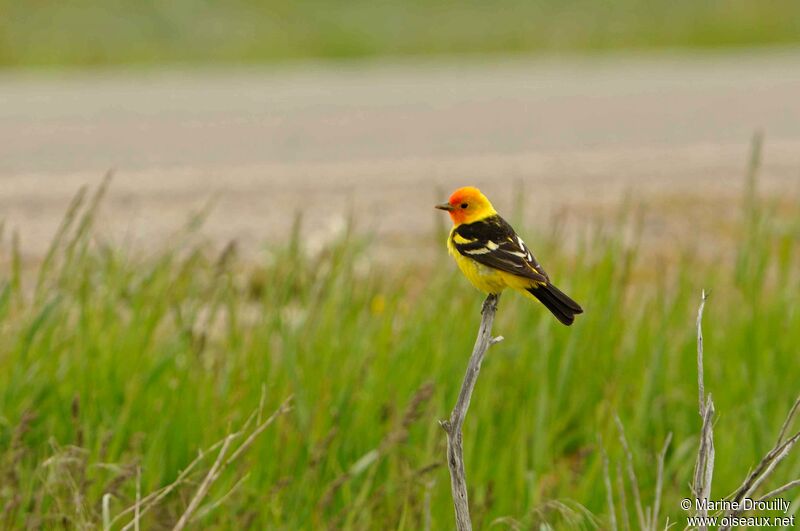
[[484, 278]]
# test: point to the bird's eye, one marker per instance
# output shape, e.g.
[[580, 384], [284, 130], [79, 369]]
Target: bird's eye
[[464, 205]]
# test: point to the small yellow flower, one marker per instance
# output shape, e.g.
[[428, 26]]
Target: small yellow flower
[[378, 304]]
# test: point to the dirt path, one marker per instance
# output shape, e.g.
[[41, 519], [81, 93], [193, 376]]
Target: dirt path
[[382, 139]]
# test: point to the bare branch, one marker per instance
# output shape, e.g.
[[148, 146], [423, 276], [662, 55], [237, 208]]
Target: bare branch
[[765, 468], [452, 426], [767, 465], [704, 465]]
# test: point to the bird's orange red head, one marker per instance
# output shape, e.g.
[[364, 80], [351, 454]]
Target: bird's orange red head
[[467, 205]]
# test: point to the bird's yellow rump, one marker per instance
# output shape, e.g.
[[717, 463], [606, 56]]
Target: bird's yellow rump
[[493, 257]]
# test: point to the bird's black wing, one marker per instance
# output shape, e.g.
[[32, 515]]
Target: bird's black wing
[[493, 243]]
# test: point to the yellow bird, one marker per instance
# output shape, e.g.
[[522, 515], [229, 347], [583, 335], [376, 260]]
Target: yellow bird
[[493, 257]]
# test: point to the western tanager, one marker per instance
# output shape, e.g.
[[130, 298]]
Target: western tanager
[[493, 257]]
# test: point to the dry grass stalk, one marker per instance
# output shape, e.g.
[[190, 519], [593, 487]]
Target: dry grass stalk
[[285, 407], [646, 517], [612, 513], [637, 499], [452, 426], [320, 450], [701, 388], [205, 510], [220, 464], [150, 501], [623, 502], [426, 505], [392, 439], [660, 481], [9, 474], [137, 515], [205, 486], [106, 508]]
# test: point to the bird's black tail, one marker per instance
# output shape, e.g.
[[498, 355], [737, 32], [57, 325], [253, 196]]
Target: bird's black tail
[[557, 302]]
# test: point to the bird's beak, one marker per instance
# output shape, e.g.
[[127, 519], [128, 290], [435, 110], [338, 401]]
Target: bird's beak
[[445, 206]]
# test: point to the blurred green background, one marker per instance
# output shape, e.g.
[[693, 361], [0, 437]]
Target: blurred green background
[[92, 32]]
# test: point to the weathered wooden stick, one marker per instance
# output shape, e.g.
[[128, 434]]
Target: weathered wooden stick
[[704, 465], [452, 426]]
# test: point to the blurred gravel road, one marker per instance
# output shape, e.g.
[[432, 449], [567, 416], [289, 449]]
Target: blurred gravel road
[[387, 139]]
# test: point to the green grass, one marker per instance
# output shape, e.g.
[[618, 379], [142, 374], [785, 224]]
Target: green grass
[[112, 361], [112, 32]]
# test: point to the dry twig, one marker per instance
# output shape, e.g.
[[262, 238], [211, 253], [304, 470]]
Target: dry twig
[[452, 426], [704, 465], [767, 466]]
